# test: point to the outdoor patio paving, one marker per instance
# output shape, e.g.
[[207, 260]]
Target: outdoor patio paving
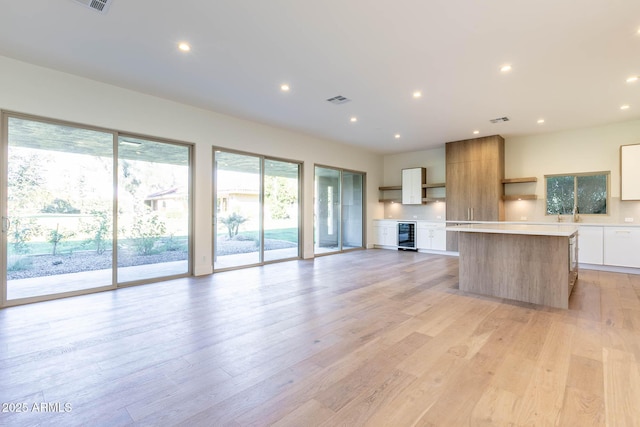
[[60, 283]]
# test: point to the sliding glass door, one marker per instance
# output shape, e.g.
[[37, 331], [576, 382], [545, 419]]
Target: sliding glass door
[[59, 209], [281, 210], [153, 209], [257, 212], [237, 239], [327, 211], [352, 210], [338, 210], [60, 234]]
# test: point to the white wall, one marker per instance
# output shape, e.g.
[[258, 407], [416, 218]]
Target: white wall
[[30, 89], [434, 161], [583, 150], [592, 149]]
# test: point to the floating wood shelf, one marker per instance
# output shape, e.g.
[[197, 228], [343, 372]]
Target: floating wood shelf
[[438, 185], [518, 180], [433, 199], [519, 197], [395, 199]]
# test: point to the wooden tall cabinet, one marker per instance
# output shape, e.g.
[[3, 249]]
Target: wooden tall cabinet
[[475, 169]]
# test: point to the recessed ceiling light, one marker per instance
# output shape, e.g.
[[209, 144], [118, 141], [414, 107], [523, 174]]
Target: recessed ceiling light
[[417, 94], [540, 121], [285, 87], [505, 68], [184, 46], [353, 119], [397, 136], [624, 107], [632, 79], [475, 132]]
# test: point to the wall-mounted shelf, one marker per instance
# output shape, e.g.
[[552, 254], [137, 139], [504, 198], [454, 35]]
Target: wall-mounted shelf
[[434, 197], [395, 198], [511, 197], [519, 180], [389, 188], [519, 197]]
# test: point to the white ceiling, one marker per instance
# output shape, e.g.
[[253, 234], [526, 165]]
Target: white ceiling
[[570, 61]]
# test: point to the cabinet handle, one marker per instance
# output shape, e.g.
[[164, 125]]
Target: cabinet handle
[[471, 214]]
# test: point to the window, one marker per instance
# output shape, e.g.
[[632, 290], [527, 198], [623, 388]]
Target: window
[[585, 193]]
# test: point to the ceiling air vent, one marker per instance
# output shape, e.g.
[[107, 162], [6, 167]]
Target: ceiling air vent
[[98, 5], [499, 120], [337, 100]]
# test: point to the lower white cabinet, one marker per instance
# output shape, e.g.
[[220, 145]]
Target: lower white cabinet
[[590, 244], [385, 232], [622, 246], [431, 236]]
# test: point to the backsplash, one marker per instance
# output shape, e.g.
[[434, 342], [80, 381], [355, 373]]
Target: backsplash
[[534, 211], [522, 210], [433, 211]]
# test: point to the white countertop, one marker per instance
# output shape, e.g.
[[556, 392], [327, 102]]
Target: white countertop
[[587, 224], [564, 230]]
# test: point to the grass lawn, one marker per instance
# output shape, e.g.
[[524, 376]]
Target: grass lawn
[[69, 246], [286, 234]]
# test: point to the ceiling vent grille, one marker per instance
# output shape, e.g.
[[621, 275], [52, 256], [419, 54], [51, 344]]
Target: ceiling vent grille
[[339, 99], [499, 120], [98, 5]]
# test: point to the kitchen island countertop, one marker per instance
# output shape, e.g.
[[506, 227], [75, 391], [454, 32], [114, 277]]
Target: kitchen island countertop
[[565, 230]]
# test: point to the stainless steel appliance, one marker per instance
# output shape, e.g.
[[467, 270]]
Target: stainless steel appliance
[[407, 236]]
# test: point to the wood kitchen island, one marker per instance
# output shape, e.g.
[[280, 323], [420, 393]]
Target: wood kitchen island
[[530, 263]]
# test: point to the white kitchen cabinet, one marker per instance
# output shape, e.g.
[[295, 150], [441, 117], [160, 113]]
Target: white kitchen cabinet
[[629, 172], [439, 239], [431, 236], [423, 238], [385, 232], [412, 180], [622, 246], [590, 244]]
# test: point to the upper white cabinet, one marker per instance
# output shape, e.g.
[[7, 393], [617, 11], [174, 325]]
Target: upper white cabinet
[[622, 246], [590, 243], [630, 172], [412, 181]]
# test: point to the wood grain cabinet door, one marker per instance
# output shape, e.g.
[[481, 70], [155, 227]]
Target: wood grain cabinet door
[[475, 169]]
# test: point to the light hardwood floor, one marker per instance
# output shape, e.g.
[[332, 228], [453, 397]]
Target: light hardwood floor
[[374, 337]]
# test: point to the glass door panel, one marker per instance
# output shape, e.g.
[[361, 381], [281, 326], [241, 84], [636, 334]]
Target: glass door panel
[[59, 209], [153, 209], [327, 210], [237, 237], [352, 209], [281, 210]]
